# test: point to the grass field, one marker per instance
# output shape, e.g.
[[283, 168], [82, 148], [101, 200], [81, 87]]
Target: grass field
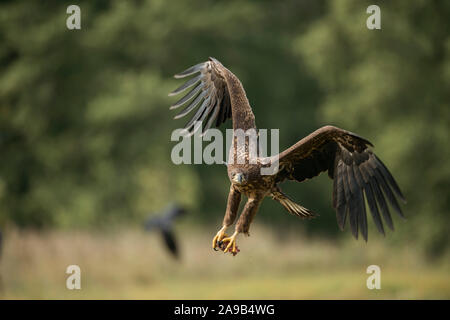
[[130, 264]]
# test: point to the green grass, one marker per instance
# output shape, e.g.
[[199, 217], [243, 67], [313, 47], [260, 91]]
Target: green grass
[[130, 264]]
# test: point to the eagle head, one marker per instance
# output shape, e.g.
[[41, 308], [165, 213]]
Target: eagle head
[[238, 178]]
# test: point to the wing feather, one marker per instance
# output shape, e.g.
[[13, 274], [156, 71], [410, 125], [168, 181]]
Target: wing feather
[[378, 195], [188, 97], [359, 176], [341, 208], [365, 186], [380, 166], [186, 85], [388, 192], [191, 70], [209, 94], [290, 205], [352, 201], [198, 114], [191, 106]]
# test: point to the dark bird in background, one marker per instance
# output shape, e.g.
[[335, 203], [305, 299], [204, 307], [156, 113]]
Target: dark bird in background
[[217, 95], [164, 224]]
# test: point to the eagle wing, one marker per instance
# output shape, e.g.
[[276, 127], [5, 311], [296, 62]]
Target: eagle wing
[[357, 172], [207, 92]]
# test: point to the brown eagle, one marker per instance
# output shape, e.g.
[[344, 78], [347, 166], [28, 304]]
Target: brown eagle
[[358, 174]]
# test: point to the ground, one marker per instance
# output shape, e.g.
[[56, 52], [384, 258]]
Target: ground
[[132, 264]]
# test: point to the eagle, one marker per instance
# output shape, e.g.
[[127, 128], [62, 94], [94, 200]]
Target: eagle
[[358, 174]]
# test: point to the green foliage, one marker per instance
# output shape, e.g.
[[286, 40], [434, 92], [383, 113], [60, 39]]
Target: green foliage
[[85, 127]]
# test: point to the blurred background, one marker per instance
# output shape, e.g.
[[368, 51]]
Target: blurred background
[[85, 146]]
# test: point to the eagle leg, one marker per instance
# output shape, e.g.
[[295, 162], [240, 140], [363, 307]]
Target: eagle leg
[[219, 237], [234, 198], [231, 246]]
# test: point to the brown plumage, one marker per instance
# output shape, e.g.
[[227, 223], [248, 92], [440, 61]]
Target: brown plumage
[[357, 172]]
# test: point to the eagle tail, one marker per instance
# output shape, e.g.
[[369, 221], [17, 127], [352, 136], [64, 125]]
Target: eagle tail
[[290, 205]]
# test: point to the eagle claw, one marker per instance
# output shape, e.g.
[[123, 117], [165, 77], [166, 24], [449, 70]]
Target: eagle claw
[[229, 245], [217, 241]]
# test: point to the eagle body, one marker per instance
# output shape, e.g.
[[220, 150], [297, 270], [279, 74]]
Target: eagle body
[[357, 173]]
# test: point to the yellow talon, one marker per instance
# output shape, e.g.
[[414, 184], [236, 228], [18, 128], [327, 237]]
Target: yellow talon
[[219, 237], [231, 247]]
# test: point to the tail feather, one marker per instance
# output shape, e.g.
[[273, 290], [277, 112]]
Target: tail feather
[[291, 206]]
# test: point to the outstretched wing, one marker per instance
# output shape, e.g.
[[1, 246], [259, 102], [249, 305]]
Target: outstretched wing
[[357, 172], [207, 93]]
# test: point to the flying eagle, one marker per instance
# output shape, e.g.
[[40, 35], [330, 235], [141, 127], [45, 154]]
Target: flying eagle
[[357, 173]]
